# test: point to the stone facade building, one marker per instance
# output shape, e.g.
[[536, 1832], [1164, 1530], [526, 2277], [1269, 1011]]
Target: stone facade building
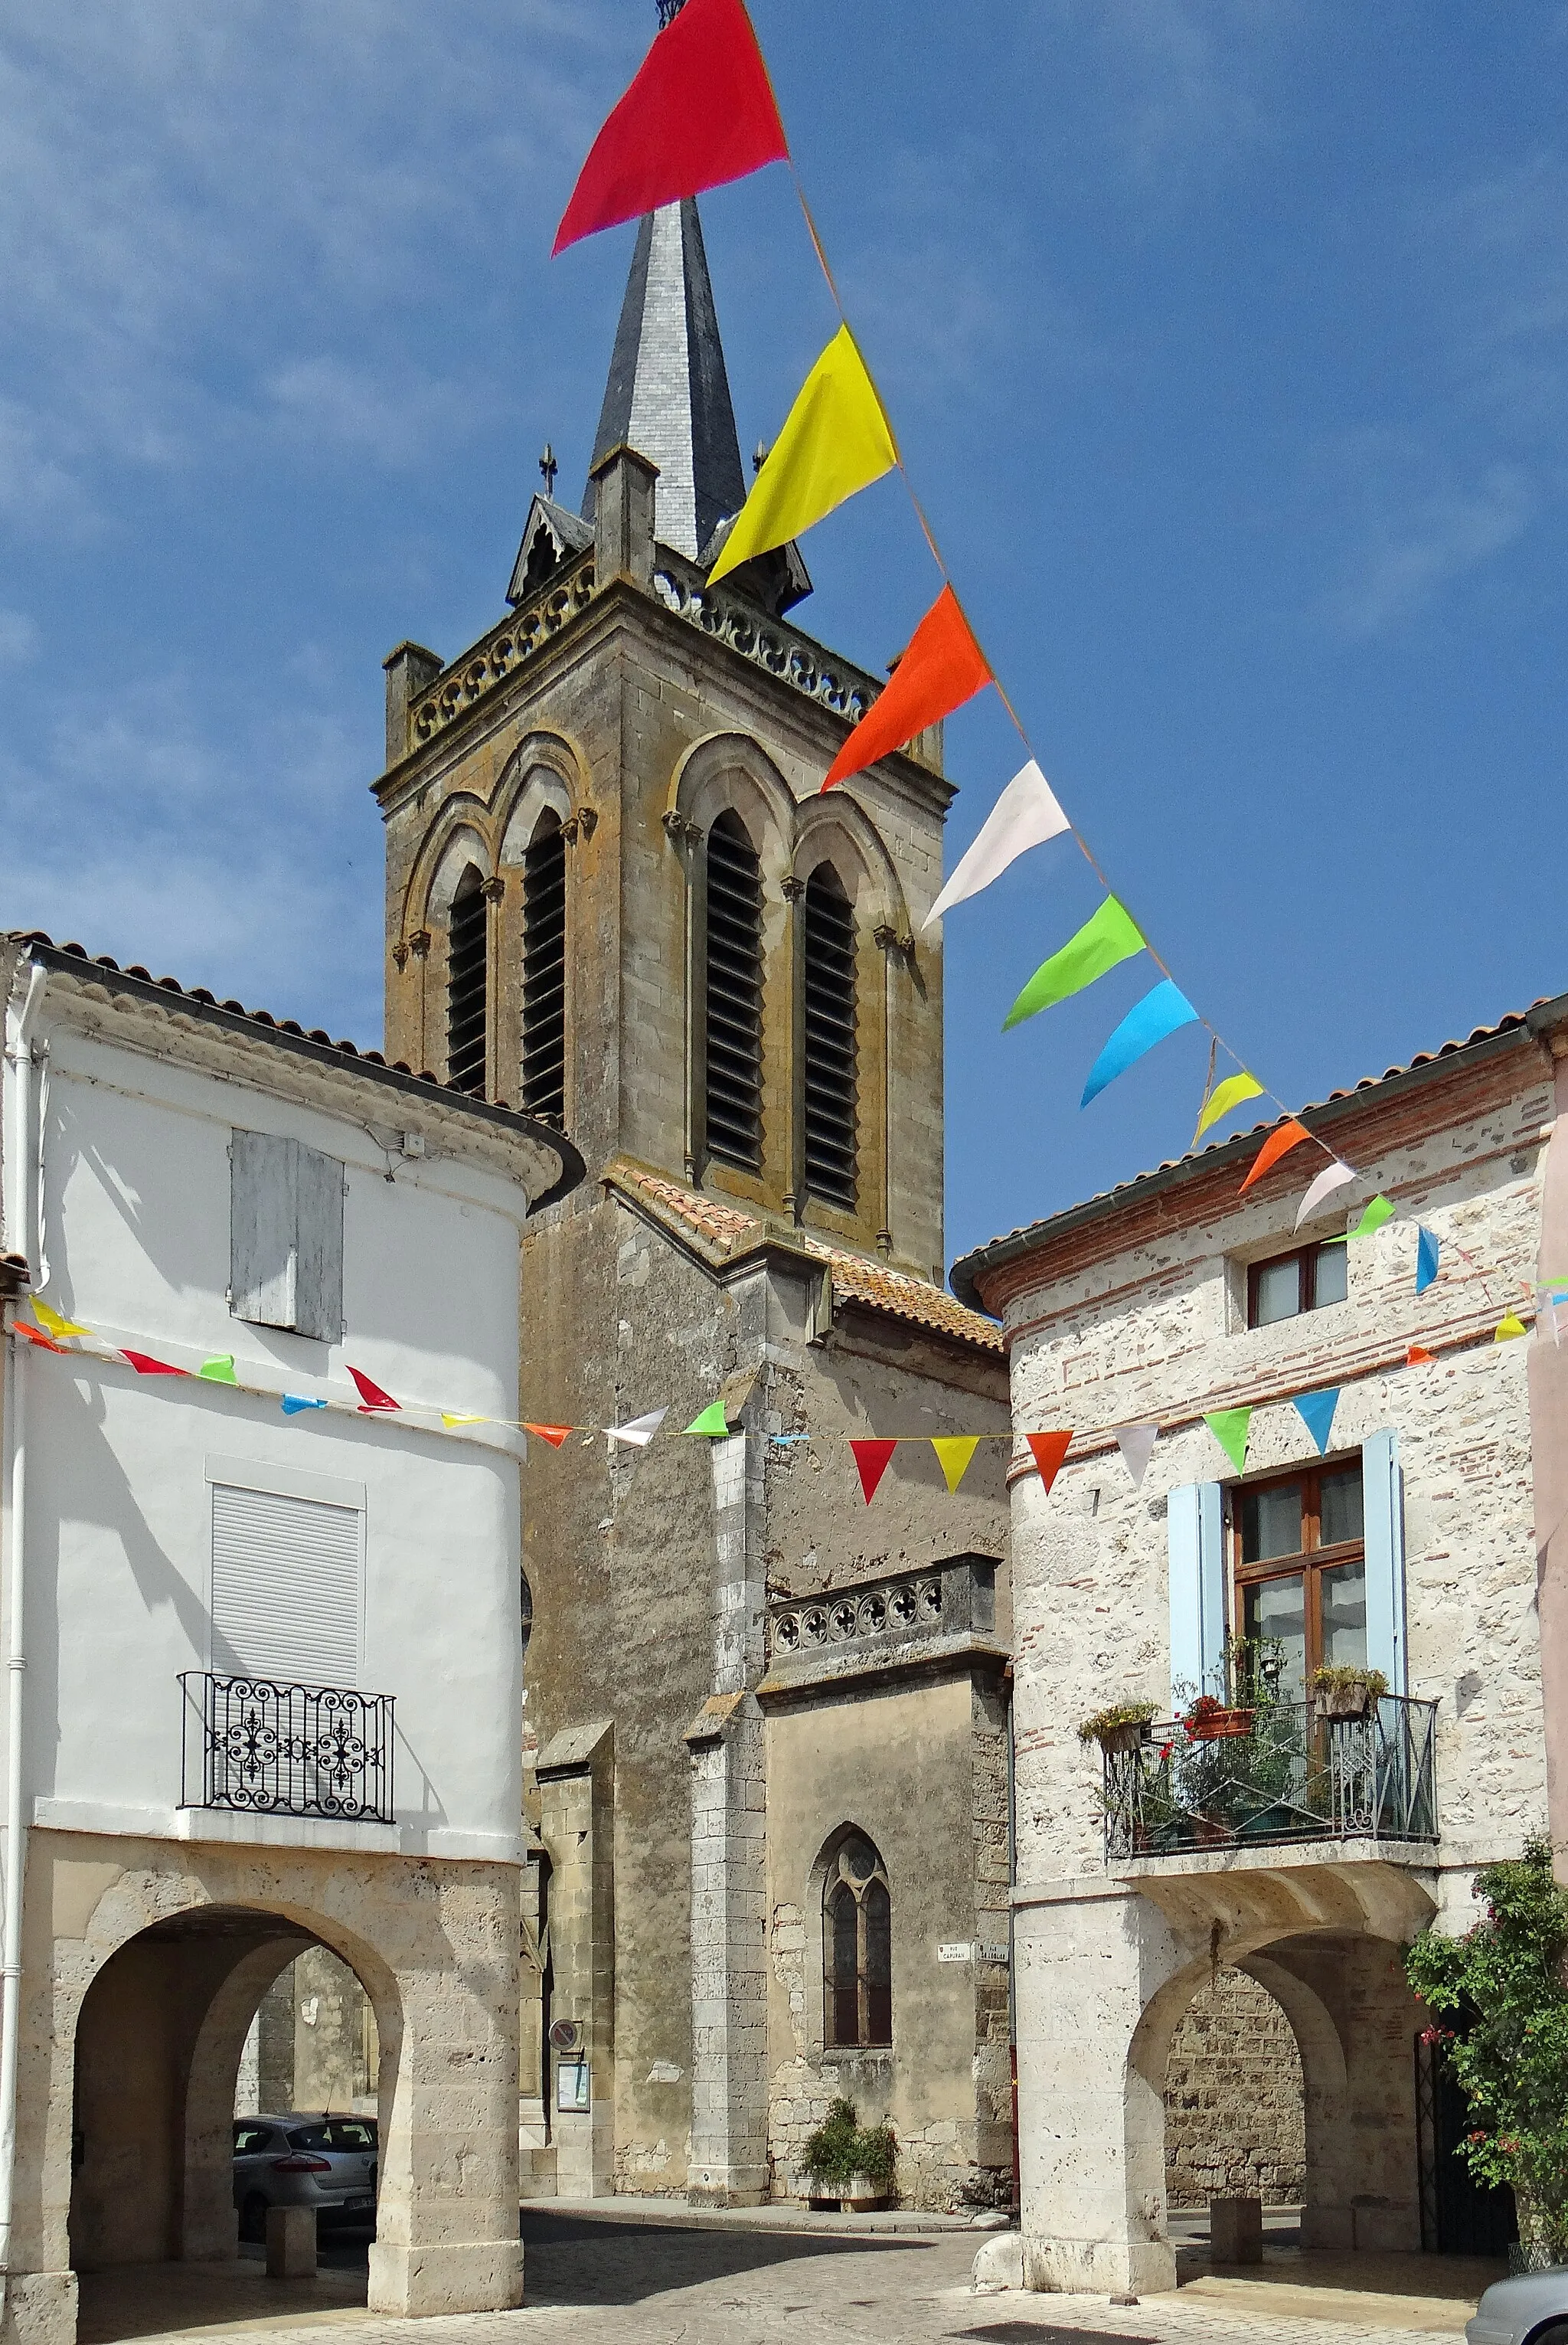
[[1298, 1850], [264, 1650], [766, 1723]]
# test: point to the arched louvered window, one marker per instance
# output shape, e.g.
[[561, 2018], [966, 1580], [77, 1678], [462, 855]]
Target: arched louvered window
[[734, 1005], [856, 1947], [828, 1073], [544, 973], [467, 984]]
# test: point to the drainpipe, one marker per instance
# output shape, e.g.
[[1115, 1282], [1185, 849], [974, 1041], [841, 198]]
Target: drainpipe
[[24, 1236]]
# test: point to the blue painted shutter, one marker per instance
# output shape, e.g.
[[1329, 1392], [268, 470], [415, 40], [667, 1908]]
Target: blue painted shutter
[[1382, 1491], [1196, 1525]]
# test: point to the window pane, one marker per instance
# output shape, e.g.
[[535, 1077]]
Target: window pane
[[878, 1918], [1329, 1275], [840, 1997], [1278, 1290], [1270, 1523], [1339, 1499], [1275, 1608], [1344, 1601]]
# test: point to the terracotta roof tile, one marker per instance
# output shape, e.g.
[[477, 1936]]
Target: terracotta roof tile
[[875, 1284]]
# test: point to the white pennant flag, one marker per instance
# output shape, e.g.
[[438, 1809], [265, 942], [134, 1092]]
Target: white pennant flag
[[1025, 814], [640, 1431], [1136, 1442], [1332, 1176]]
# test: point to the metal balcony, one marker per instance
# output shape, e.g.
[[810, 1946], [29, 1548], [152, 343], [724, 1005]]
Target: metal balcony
[[1290, 1773], [269, 1748]]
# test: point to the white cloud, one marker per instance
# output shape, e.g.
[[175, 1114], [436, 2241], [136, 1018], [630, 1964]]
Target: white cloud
[[1414, 546], [19, 638]]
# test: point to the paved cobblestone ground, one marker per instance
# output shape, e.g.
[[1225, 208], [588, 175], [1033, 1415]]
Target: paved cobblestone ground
[[593, 2281]]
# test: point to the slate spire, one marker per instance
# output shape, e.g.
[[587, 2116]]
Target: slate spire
[[668, 395]]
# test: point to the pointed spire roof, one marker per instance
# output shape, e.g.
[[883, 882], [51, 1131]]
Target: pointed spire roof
[[668, 395]]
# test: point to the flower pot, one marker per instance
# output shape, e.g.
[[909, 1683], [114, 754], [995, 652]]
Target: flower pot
[[858, 2195], [1220, 1725], [1118, 1740], [1346, 1702], [862, 2194]]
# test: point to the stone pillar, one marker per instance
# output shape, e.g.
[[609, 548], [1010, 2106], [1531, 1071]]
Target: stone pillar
[[1088, 1960], [410, 670], [624, 517], [729, 1848], [577, 1827], [1549, 1452]]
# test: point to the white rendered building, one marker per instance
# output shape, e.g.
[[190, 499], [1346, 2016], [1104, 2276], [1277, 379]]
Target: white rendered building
[[272, 1655]]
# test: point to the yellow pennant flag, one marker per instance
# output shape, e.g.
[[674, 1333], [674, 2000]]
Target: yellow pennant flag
[[836, 440], [56, 1324], [1508, 1326], [954, 1452], [1224, 1097], [452, 1419]]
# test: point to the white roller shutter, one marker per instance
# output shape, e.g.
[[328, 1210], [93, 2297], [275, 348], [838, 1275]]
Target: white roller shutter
[[286, 1599]]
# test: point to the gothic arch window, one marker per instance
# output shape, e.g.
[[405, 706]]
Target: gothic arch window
[[856, 1947], [827, 1058], [732, 1003], [544, 972], [468, 983]]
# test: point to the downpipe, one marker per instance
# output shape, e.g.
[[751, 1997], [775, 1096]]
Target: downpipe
[[24, 1235]]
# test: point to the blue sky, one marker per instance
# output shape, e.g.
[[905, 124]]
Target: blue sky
[[1229, 343]]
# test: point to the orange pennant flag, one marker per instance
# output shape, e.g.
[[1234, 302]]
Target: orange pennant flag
[[36, 1336], [1047, 1450], [554, 1434], [1417, 1354], [1278, 1143], [872, 1458], [943, 667]]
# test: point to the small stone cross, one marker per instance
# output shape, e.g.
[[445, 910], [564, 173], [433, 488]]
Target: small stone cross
[[549, 468]]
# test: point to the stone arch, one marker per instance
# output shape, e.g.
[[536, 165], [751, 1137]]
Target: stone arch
[[464, 849], [819, 1882], [543, 772], [1235, 2115], [164, 2004], [729, 770], [833, 830]]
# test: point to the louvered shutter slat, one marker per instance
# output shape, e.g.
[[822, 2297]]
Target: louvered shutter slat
[[284, 1587]]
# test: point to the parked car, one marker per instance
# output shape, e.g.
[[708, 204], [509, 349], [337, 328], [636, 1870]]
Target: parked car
[[1532, 2309], [298, 2160]]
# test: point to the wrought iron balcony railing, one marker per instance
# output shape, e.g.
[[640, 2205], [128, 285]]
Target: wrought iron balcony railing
[[1280, 1771], [270, 1748]]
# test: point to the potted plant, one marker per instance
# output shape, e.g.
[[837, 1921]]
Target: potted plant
[[1347, 1692], [850, 2166], [1121, 1727], [1211, 1720]]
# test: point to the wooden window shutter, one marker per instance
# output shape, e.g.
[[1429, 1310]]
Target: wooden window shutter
[[1382, 1502], [286, 1236], [1196, 1532], [286, 1587]]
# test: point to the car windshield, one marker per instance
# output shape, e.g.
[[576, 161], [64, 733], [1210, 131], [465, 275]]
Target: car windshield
[[349, 2133], [247, 2138], [308, 2138]]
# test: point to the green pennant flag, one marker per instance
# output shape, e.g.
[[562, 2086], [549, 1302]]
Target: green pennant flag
[[713, 1422], [1111, 936], [1228, 1426], [219, 1371], [1378, 1211]]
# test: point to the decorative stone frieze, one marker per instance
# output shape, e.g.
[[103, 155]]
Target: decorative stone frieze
[[495, 655]]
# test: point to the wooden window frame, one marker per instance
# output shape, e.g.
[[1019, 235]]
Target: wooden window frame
[[1306, 1260], [1311, 1561]]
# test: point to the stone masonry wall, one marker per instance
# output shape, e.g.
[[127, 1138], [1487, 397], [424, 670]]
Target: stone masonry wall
[[1234, 2121]]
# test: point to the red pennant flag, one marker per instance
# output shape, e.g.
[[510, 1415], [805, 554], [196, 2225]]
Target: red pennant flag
[[873, 1459], [1049, 1449], [554, 1434], [943, 667], [1417, 1354], [372, 1396], [145, 1366], [700, 112], [45, 1343], [1278, 1143]]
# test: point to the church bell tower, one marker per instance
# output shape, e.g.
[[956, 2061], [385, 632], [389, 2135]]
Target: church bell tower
[[616, 896]]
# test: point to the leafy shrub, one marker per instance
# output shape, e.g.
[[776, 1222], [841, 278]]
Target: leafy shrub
[[841, 2149]]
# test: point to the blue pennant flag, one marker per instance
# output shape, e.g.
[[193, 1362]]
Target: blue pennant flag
[[1148, 1021], [1316, 1411], [292, 1403], [1426, 1253]]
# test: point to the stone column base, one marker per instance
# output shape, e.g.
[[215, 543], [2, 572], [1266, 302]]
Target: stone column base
[[746, 2187], [479, 2275], [1097, 2266], [40, 2308]]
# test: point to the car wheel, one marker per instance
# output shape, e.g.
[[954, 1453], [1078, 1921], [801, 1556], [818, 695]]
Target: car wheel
[[253, 2217], [1555, 2333]]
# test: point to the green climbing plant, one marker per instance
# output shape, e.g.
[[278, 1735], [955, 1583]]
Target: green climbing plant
[[1512, 2061]]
